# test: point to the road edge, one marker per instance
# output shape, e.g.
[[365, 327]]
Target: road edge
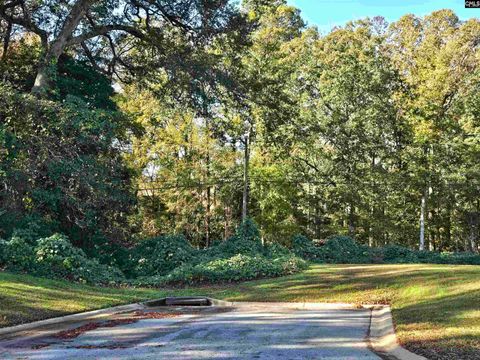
[[382, 337], [72, 317]]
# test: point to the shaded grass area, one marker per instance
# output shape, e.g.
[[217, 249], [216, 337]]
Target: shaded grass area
[[25, 298], [436, 308]]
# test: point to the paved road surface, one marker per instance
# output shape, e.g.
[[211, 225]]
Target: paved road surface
[[250, 331]]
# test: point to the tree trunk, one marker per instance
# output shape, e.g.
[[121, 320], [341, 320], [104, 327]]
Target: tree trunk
[[207, 220], [207, 214], [351, 221], [371, 227], [448, 230], [228, 222], [48, 66], [309, 208], [6, 41], [317, 218], [246, 185], [473, 222], [422, 224], [45, 76]]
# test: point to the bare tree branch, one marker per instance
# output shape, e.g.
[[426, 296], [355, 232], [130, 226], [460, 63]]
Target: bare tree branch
[[104, 30], [92, 60], [24, 22], [6, 40]]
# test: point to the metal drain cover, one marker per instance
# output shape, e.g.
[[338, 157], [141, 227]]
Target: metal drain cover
[[187, 301]]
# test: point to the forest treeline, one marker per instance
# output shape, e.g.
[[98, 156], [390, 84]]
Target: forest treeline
[[126, 120]]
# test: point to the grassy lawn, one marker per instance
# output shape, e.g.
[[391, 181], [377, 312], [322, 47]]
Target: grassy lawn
[[26, 298], [436, 308]]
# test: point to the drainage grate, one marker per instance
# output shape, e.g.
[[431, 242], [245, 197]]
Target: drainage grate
[[187, 301], [181, 301]]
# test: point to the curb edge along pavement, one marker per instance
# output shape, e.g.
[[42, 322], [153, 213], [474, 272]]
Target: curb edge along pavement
[[88, 315], [382, 335], [73, 317]]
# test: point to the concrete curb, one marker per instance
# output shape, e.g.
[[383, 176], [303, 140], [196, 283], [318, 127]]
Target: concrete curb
[[69, 318], [216, 302], [382, 335]]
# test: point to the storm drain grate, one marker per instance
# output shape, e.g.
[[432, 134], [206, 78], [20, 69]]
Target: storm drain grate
[[181, 301]]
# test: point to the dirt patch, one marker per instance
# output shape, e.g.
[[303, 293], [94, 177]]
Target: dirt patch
[[73, 333], [154, 315]]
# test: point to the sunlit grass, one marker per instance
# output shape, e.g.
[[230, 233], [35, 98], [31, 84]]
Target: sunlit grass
[[436, 308]]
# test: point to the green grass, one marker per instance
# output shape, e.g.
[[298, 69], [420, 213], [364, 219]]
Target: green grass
[[26, 298], [436, 308]]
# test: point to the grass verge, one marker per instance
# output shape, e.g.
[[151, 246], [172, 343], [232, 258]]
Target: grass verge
[[436, 308]]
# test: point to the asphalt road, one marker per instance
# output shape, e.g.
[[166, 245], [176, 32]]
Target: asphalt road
[[249, 331]]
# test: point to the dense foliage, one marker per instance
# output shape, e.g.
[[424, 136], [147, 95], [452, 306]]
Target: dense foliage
[[358, 132], [59, 170], [201, 119], [160, 255], [344, 250], [168, 260], [236, 268], [171, 260], [241, 257], [55, 257]]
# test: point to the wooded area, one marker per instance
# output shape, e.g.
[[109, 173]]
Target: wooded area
[[126, 120]]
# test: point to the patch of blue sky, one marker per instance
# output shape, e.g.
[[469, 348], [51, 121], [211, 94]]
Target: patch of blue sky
[[326, 14]]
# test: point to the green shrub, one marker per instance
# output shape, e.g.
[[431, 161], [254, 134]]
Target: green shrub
[[237, 268], [160, 255], [56, 257], [275, 250], [305, 248], [19, 255], [55, 249], [29, 234], [92, 272], [396, 254], [3, 250], [155, 262], [113, 254], [401, 255], [248, 231], [344, 250], [460, 258], [242, 257], [336, 249], [245, 241]]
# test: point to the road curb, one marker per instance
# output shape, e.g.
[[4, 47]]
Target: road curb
[[382, 338], [217, 302], [68, 318], [382, 335]]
